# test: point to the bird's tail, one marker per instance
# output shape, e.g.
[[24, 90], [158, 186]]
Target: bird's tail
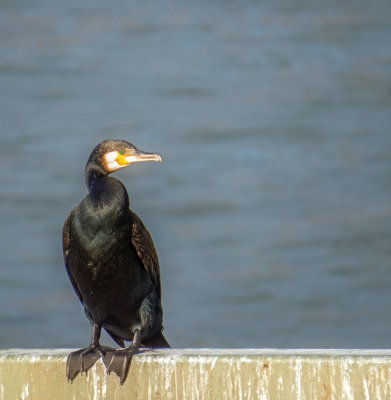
[[156, 341]]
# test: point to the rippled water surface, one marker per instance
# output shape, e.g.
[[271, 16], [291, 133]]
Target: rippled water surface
[[271, 212]]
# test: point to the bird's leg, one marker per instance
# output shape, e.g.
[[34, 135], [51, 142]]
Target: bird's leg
[[82, 360], [119, 360]]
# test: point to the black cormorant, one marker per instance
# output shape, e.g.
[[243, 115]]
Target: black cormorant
[[112, 264]]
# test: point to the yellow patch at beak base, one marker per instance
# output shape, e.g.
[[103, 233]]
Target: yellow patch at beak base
[[121, 159]]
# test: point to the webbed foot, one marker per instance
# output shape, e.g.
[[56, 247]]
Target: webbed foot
[[119, 361], [82, 360]]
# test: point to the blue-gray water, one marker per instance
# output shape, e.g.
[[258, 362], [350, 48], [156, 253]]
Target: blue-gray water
[[271, 212]]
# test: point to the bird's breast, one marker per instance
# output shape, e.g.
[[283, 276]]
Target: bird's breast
[[98, 237]]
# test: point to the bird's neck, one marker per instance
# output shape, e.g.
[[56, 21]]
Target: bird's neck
[[92, 174], [107, 194]]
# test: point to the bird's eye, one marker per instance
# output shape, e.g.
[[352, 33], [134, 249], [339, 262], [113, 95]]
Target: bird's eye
[[122, 152]]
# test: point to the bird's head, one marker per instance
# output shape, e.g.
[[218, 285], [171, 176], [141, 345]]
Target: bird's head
[[113, 154]]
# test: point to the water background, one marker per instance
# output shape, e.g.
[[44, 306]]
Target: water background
[[271, 212]]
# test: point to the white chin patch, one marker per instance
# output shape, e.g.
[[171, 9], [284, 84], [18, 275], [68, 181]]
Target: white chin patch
[[113, 166]]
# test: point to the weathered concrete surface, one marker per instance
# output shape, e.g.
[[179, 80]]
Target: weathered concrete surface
[[204, 374]]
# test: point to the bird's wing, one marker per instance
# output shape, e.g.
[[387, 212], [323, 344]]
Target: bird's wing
[[143, 244], [66, 241]]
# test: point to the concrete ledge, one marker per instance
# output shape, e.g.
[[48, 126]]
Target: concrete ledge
[[204, 374]]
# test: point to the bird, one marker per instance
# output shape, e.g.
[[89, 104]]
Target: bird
[[111, 261]]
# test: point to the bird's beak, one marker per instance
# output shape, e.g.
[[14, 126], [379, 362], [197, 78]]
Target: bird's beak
[[137, 156]]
